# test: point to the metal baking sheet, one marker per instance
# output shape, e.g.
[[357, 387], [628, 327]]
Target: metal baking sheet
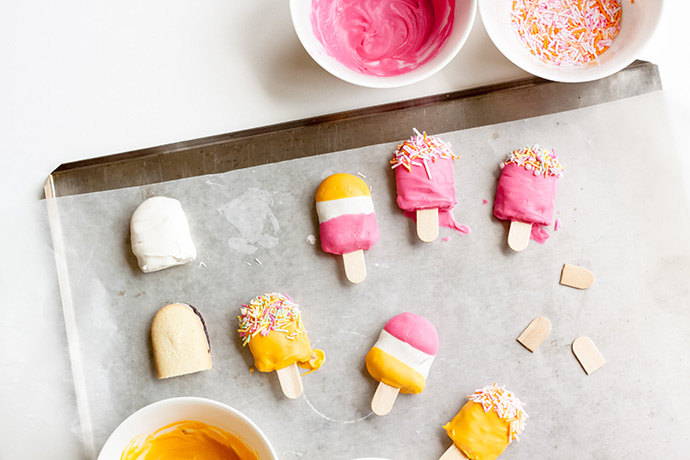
[[624, 215], [515, 100]]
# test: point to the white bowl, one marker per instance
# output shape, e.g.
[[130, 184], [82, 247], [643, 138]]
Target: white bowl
[[147, 420], [465, 12], [638, 22]]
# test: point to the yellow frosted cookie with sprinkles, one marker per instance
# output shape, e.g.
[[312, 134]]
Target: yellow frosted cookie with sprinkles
[[271, 324], [487, 424]]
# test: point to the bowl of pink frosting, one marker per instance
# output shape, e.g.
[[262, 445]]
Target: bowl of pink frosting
[[570, 40], [383, 44]]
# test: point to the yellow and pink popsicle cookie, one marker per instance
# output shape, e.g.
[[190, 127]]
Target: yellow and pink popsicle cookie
[[271, 324], [401, 358], [491, 419], [347, 221], [526, 192], [426, 185]]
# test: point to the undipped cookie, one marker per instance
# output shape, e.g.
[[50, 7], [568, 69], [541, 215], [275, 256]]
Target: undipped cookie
[[180, 341]]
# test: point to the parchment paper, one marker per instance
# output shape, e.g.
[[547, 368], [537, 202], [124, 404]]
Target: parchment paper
[[624, 217]]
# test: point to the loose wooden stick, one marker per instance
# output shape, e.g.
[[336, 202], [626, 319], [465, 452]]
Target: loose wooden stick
[[355, 267], [427, 224], [453, 453], [588, 354], [576, 277], [384, 398], [290, 381], [518, 235], [535, 333]]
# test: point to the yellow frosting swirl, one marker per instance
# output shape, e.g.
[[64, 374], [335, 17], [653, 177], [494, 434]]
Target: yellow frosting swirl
[[189, 440]]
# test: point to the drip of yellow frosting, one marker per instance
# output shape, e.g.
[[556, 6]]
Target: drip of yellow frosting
[[189, 440], [479, 435], [317, 359], [341, 185], [393, 372]]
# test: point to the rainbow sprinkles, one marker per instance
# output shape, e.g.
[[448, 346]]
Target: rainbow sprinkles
[[266, 313], [540, 161], [506, 405], [567, 32], [419, 150]]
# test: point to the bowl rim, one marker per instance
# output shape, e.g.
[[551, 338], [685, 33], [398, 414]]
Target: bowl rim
[[573, 74], [184, 400], [373, 81]]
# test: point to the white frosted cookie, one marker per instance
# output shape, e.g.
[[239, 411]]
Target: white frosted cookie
[[180, 341], [160, 235]]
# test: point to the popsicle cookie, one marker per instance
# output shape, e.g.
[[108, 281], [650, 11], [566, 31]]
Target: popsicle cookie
[[526, 193], [347, 221], [401, 358], [491, 419], [271, 324], [180, 341], [425, 184], [160, 235]]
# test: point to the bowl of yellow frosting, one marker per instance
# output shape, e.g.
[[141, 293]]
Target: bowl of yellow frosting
[[185, 428]]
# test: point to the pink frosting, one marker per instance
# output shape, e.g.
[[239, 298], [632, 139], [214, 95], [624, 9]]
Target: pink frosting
[[524, 197], [382, 38], [414, 330], [417, 191], [348, 233]]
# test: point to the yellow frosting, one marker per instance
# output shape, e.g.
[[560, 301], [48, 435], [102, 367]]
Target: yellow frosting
[[479, 435], [340, 186], [393, 372], [189, 440], [279, 349]]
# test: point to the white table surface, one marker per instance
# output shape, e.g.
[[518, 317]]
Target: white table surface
[[82, 79]]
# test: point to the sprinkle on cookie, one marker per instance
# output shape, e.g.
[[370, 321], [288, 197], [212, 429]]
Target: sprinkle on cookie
[[420, 149], [266, 313], [533, 158], [506, 405]]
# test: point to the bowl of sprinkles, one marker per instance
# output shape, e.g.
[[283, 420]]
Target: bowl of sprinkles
[[570, 40]]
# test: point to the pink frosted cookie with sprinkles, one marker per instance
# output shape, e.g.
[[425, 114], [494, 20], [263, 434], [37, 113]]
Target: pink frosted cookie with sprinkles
[[526, 193], [426, 185], [567, 32]]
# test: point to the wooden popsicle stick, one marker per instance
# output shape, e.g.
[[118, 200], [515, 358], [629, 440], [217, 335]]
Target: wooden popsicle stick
[[576, 277], [427, 224], [587, 354], [384, 398], [355, 267], [518, 235], [453, 453], [535, 333], [290, 381]]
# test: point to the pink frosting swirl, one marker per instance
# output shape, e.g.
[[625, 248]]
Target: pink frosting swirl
[[382, 38]]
